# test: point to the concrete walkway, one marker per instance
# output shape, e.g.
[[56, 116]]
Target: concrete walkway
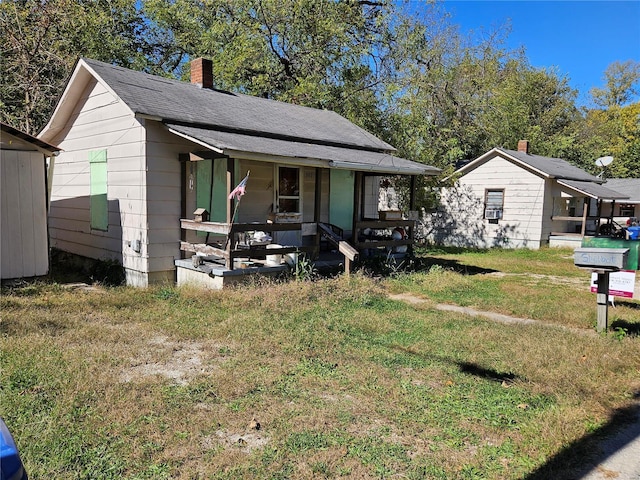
[[619, 454]]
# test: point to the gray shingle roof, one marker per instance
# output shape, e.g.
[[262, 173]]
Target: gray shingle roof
[[553, 167], [594, 190], [353, 159], [627, 186], [182, 102]]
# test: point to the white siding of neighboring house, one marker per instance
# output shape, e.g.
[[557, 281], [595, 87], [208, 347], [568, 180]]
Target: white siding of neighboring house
[[524, 205], [101, 121], [24, 246]]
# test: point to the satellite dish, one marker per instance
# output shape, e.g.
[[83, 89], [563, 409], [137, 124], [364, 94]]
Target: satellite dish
[[604, 161]]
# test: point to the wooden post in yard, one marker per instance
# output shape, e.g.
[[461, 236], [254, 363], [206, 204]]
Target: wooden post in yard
[[602, 298]]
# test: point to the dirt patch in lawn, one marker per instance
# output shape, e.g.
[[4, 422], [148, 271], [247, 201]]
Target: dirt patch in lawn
[[179, 361]]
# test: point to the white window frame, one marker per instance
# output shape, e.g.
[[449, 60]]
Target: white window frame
[[276, 189], [492, 217]]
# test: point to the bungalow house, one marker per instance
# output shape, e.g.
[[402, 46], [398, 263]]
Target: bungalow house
[[628, 207], [508, 198], [149, 164], [24, 251]]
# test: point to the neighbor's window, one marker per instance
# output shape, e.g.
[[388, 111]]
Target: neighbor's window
[[493, 205], [99, 206], [627, 210], [288, 190]]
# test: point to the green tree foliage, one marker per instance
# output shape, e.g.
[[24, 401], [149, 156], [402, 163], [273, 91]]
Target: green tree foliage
[[468, 99], [407, 76], [622, 85], [614, 131], [322, 54], [41, 41]]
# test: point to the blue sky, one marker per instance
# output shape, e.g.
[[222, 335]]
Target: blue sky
[[580, 39]]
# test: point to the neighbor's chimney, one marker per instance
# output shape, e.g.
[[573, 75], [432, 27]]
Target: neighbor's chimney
[[202, 72], [523, 146]]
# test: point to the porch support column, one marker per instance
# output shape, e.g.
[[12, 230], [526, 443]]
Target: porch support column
[[412, 193], [585, 212], [357, 203], [230, 186], [317, 210], [412, 207]]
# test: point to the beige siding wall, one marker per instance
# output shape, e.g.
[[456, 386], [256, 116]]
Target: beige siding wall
[[163, 192], [101, 122], [525, 197], [24, 248], [256, 204]]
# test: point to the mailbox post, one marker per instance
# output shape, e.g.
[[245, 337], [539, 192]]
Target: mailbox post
[[602, 261]]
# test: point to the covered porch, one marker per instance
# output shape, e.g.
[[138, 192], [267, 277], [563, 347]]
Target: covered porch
[[320, 201], [582, 209]]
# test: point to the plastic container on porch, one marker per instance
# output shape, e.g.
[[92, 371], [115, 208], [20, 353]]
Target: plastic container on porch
[[275, 259]]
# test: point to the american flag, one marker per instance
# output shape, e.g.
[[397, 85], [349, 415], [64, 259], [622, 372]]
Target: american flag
[[240, 189]]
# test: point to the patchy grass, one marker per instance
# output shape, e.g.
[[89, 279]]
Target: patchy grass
[[330, 379]]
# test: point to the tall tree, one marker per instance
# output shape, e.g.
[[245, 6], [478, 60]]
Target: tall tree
[[41, 41], [324, 54], [622, 85]]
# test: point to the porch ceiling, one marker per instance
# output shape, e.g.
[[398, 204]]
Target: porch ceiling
[[593, 190], [292, 150]]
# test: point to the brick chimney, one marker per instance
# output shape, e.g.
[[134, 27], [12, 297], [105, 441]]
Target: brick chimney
[[523, 146], [202, 72]]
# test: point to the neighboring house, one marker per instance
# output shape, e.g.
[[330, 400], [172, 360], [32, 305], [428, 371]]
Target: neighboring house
[[625, 208], [142, 152], [23, 204], [508, 198]]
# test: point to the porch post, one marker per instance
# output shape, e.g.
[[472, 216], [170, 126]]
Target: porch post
[[412, 193], [317, 210], [585, 211], [357, 203], [412, 207], [230, 186]]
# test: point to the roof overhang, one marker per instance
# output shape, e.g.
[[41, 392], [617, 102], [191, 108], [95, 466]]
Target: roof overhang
[[14, 139], [240, 145], [593, 190]]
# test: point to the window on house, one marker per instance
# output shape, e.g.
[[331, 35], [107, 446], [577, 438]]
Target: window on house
[[288, 193], [493, 205], [627, 210], [98, 206]]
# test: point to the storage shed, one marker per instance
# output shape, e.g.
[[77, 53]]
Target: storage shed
[[23, 204]]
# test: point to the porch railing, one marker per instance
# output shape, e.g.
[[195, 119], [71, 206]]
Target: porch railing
[[229, 249], [375, 239]]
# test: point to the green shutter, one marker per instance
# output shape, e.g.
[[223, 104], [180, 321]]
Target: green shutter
[[98, 189], [341, 191], [211, 188]]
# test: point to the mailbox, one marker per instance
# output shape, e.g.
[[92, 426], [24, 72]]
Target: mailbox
[[605, 259]]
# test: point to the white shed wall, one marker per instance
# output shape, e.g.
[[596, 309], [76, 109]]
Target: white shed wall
[[23, 208]]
